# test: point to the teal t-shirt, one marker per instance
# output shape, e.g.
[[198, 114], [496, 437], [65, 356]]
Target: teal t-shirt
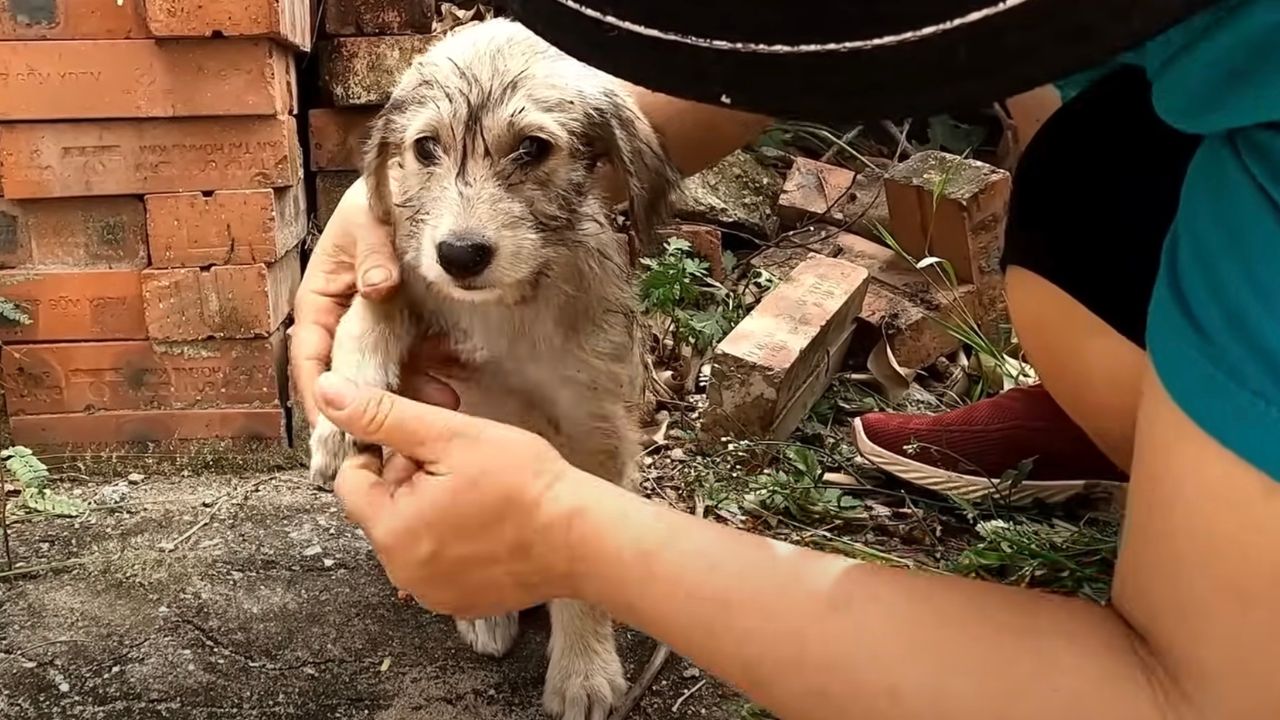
[[1214, 327]]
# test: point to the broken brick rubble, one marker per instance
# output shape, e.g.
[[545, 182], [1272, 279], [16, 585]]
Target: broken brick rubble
[[770, 369]]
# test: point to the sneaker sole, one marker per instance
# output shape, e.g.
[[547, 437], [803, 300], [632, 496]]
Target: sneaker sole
[[974, 488]]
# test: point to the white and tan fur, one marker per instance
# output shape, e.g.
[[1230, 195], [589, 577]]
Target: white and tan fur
[[548, 330]]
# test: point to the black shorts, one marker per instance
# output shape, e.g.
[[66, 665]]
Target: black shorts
[[1094, 196]]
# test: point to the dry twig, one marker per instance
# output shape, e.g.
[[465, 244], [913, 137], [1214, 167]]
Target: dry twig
[[676, 708], [642, 683]]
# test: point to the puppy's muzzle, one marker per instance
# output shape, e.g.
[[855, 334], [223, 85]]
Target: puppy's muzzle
[[464, 255]]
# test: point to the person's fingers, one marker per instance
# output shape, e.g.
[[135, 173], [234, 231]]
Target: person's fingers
[[397, 471], [377, 267], [323, 296], [363, 493], [420, 431], [309, 348]]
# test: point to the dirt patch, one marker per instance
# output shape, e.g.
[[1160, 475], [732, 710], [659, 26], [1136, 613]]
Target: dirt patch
[[274, 609]]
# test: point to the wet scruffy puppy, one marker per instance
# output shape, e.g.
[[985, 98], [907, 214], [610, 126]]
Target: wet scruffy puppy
[[487, 163]]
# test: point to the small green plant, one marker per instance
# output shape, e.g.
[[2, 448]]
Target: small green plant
[[12, 313], [33, 477], [678, 286], [1052, 555]]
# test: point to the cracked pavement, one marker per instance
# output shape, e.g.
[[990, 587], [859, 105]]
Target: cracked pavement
[[273, 610]]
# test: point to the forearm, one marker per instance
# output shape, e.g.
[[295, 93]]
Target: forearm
[[695, 135], [815, 636]]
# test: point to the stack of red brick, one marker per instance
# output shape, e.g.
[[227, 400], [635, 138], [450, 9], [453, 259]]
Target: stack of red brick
[[368, 45], [151, 216]]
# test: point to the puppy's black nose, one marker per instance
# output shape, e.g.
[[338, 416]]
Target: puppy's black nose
[[464, 255]]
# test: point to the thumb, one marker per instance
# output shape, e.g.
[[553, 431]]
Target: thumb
[[416, 430], [364, 495], [377, 268]]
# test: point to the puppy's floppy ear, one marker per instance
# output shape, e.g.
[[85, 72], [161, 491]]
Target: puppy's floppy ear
[[380, 150], [637, 154]]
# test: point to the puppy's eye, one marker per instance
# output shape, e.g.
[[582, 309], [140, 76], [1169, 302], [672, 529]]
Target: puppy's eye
[[533, 150], [427, 150]]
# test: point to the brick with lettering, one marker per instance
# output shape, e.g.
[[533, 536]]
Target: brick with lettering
[[379, 17], [147, 426], [72, 19], [102, 233], [139, 157], [108, 79], [230, 301], [362, 71], [330, 187], [288, 21], [768, 372], [337, 137], [229, 227], [138, 375], [68, 305]]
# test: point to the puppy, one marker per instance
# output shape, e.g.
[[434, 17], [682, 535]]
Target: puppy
[[487, 162]]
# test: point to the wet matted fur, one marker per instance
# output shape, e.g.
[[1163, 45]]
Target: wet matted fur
[[487, 162]]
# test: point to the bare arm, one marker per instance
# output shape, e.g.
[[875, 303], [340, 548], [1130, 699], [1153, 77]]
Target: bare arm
[[1193, 631], [697, 136], [816, 636]]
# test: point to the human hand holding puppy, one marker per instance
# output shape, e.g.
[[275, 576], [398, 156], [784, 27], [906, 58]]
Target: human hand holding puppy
[[354, 255], [471, 516]]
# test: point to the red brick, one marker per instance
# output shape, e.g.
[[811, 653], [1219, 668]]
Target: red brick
[[232, 301], [231, 227], [75, 305], [124, 426], [337, 137], [137, 157], [138, 375], [954, 208], [362, 71], [286, 20], [949, 207], [103, 79], [775, 364], [379, 17], [904, 304], [72, 20], [73, 233], [815, 192], [330, 187]]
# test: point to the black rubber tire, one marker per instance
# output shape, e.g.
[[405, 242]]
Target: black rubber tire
[[865, 60]]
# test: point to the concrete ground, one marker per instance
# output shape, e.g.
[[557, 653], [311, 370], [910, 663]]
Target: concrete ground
[[273, 609]]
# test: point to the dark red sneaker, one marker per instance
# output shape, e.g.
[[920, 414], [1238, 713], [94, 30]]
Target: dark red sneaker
[[979, 450]]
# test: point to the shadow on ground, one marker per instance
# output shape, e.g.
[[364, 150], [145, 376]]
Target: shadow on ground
[[274, 609]]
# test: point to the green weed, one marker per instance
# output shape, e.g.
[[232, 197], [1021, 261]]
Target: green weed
[[35, 494], [677, 286], [1053, 555]]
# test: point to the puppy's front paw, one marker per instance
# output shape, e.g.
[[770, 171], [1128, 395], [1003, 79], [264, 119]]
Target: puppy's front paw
[[491, 636], [583, 685], [329, 447]]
